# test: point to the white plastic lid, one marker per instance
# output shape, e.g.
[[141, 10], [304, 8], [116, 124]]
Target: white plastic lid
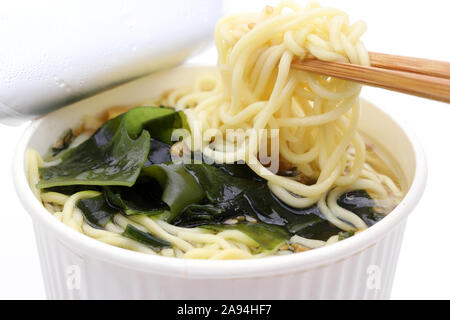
[[57, 52]]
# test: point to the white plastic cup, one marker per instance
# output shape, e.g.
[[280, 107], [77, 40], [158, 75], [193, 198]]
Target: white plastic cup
[[75, 266]]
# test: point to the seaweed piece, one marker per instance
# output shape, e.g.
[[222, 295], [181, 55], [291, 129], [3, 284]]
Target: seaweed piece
[[116, 153], [269, 237], [139, 199], [180, 189], [146, 238], [360, 203], [72, 189], [159, 153], [96, 211], [229, 196]]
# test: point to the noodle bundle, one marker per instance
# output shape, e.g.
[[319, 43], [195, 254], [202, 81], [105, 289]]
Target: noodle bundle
[[317, 116]]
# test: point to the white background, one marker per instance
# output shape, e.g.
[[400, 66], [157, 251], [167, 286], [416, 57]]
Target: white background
[[414, 28]]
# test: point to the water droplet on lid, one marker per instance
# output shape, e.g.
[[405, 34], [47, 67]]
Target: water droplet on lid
[[61, 84]]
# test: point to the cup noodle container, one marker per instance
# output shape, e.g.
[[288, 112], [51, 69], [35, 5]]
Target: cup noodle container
[[78, 267]]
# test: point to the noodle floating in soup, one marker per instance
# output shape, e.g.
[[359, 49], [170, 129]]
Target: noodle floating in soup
[[255, 160]]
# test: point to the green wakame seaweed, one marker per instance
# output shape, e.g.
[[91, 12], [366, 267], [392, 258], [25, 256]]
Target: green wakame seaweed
[[238, 193], [269, 237], [180, 189], [146, 238], [96, 211], [140, 199], [116, 153]]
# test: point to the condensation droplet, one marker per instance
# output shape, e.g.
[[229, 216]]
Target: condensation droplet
[[61, 84]]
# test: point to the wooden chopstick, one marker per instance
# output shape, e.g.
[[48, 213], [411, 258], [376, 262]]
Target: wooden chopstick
[[434, 68], [424, 80]]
